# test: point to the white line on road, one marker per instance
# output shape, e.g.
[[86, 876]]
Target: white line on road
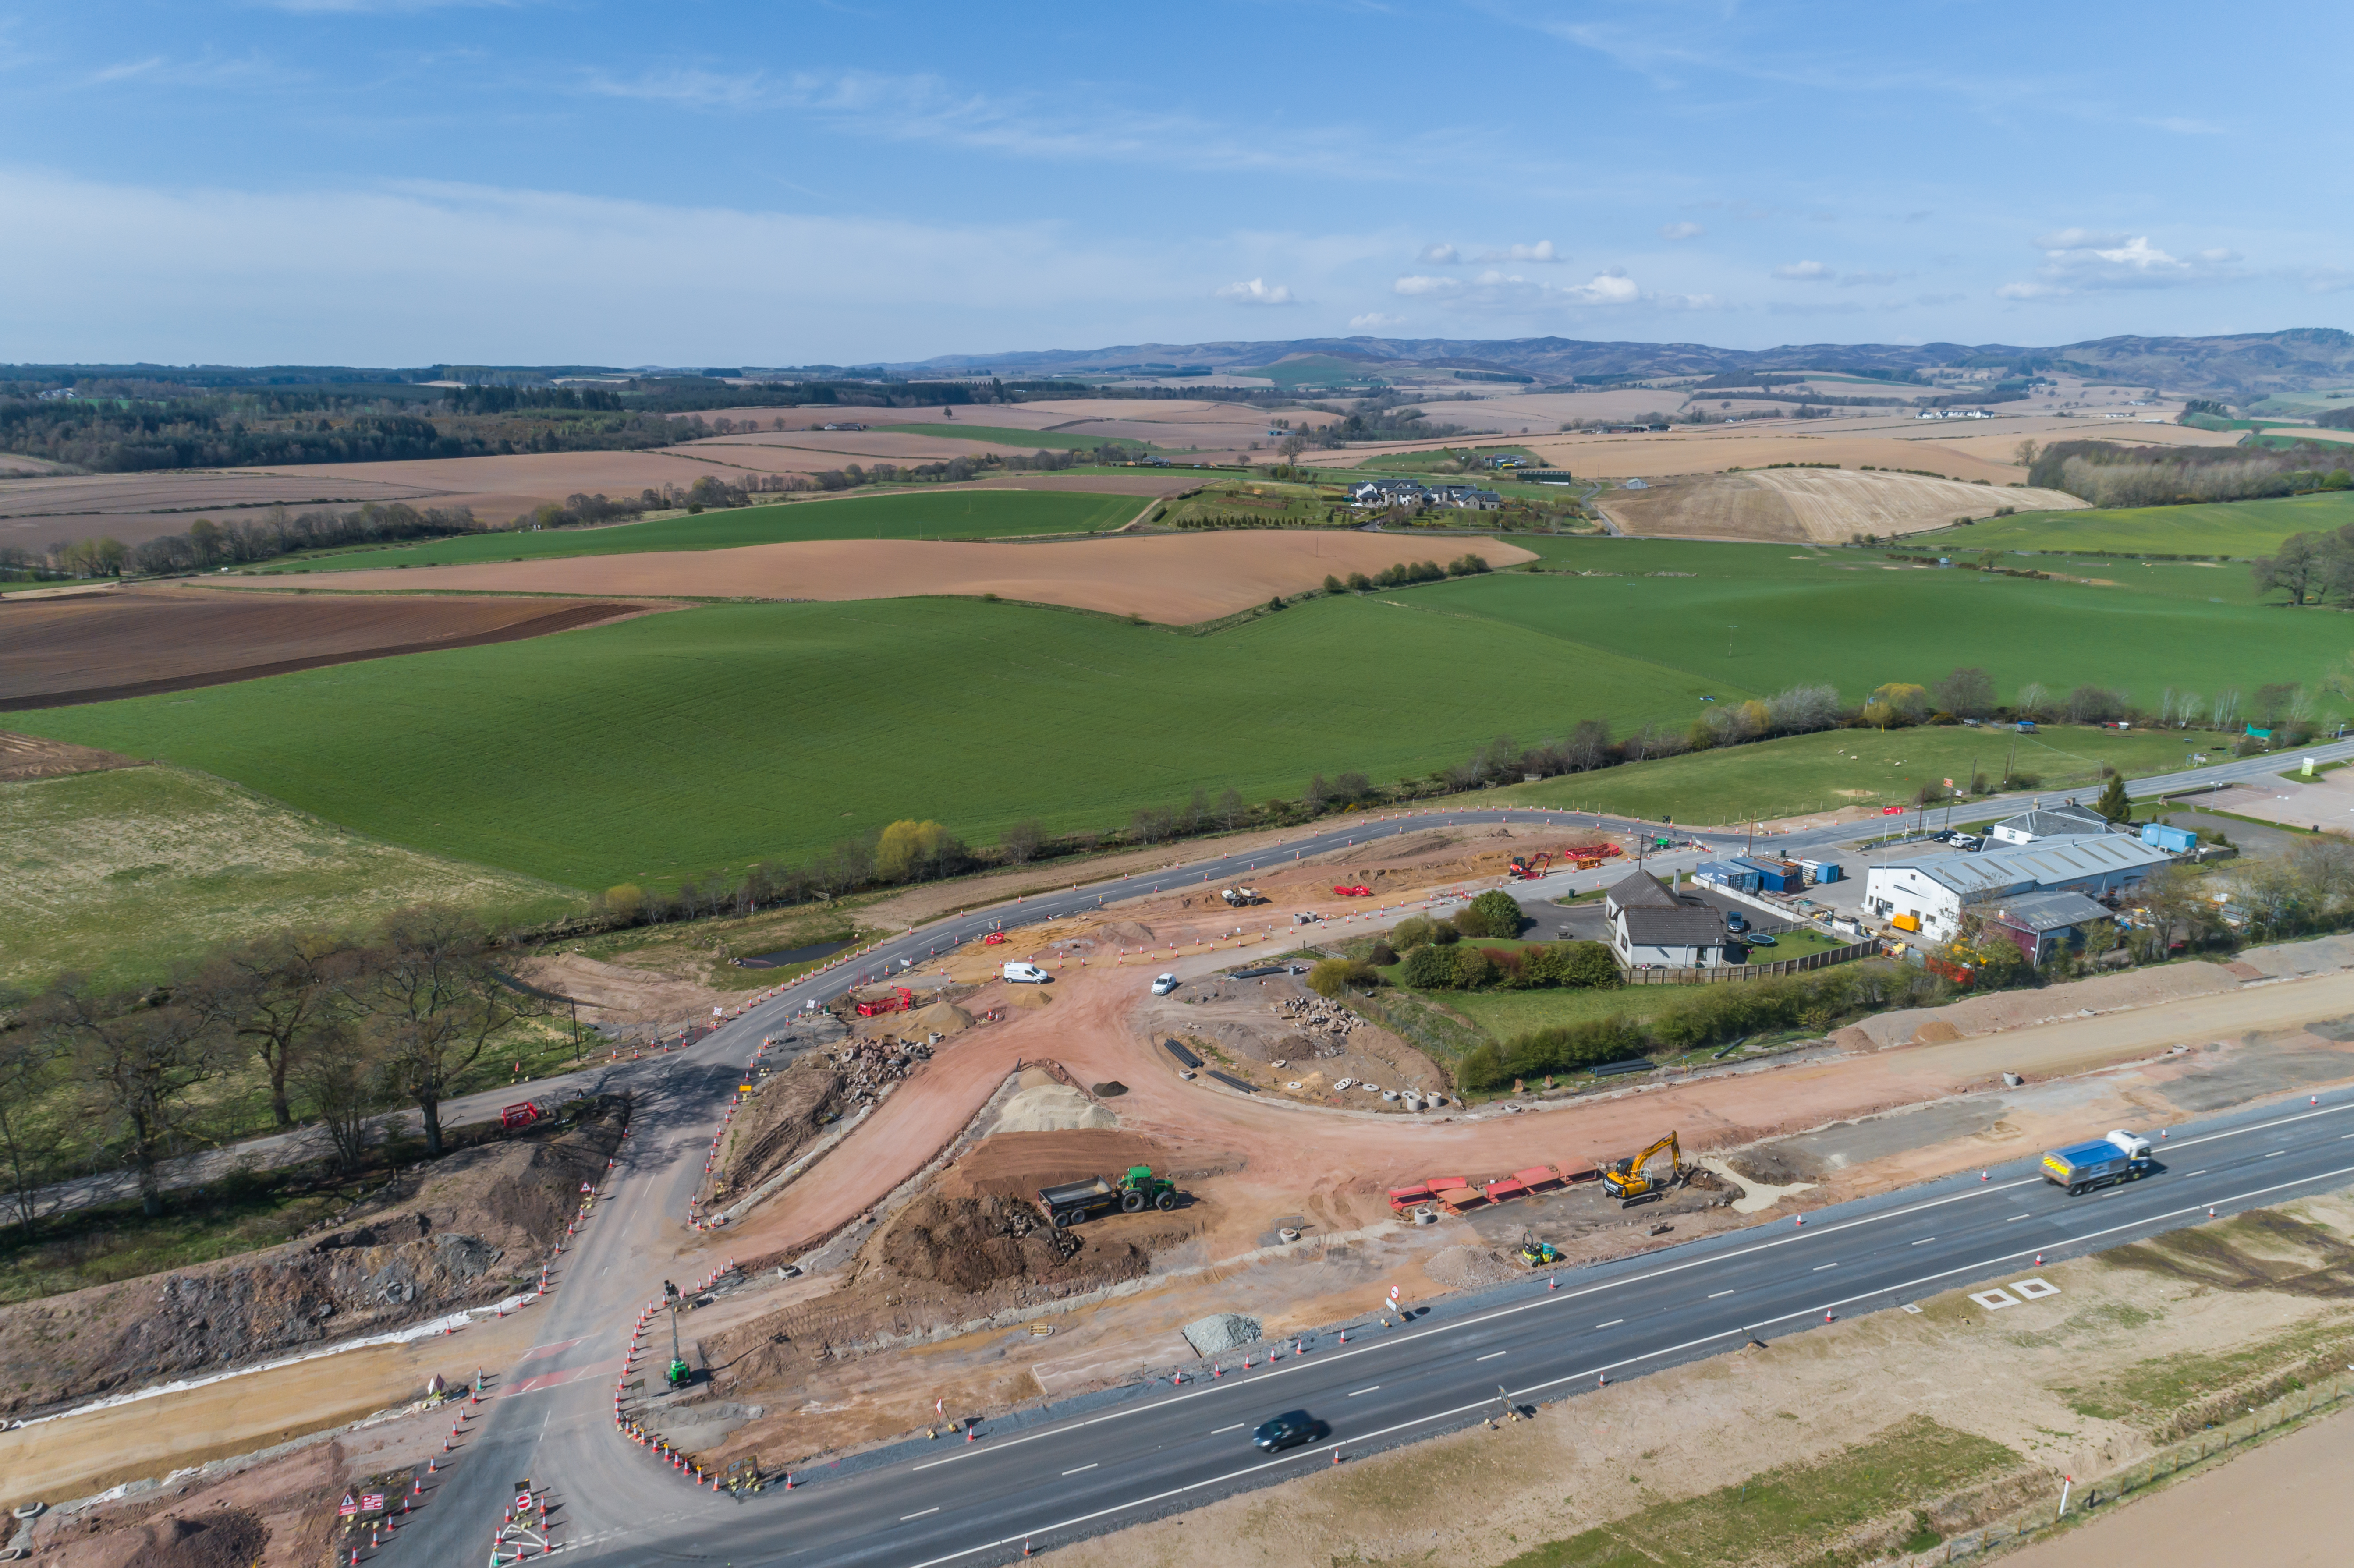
[[917, 1514], [1490, 1356], [2276, 1153], [1612, 1324], [1820, 1267], [1924, 1241], [1368, 1390], [1087, 1466], [1714, 1293], [1238, 1426], [2016, 1218]]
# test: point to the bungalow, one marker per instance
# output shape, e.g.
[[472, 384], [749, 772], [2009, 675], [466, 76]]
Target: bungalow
[[1652, 925]]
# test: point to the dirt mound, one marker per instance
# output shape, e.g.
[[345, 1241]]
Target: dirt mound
[[26, 757], [1050, 1108], [1016, 1164], [1107, 1091], [1464, 1268], [780, 1117], [971, 1243], [231, 1538], [641, 1004], [467, 1231], [940, 1018], [1125, 933]]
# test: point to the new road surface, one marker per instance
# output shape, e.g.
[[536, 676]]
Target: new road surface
[[1113, 1458]]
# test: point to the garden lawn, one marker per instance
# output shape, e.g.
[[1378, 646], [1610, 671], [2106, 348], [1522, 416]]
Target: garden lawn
[[674, 745], [883, 514], [1505, 1016], [1839, 768], [2238, 528]]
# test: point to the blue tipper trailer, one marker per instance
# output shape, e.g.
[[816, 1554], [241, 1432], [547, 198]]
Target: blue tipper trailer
[[2120, 1157]]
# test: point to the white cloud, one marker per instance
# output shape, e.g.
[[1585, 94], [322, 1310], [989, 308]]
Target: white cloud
[[1541, 250], [2078, 259], [1255, 291], [1611, 288], [1803, 272], [1497, 289], [2326, 279], [1375, 321], [1417, 283], [1439, 256], [1681, 231]]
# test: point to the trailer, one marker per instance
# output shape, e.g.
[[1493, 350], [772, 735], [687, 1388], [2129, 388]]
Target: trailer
[[2119, 1156], [1072, 1201], [900, 1001]]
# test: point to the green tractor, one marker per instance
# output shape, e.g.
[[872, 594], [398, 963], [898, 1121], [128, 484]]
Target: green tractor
[[1140, 1189]]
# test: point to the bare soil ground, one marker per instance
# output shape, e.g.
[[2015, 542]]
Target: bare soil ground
[[818, 450], [638, 1003], [136, 507], [1172, 578], [1275, 1033], [472, 1228], [24, 757], [54, 653], [1714, 448], [1821, 507]]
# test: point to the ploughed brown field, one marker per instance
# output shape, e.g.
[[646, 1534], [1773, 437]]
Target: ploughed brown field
[[55, 653], [1173, 578], [1810, 506]]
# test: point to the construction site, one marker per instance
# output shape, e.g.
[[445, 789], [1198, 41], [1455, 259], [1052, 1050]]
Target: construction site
[[950, 1193]]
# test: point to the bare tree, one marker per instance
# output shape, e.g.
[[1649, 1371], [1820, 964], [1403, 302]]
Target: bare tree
[[34, 1118], [1022, 841], [1231, 809], [434, 1003], [137, 1058], [343, 1078], [2033, 698], [275, 994], [2227, 709]]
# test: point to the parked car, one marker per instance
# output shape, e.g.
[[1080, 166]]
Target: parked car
[[1287, 1430], [1734, 922], [1163, 984]]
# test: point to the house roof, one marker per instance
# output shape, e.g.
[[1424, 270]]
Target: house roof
[[2043, 912], [2000, 872], [1641, 889], [1685, 925]]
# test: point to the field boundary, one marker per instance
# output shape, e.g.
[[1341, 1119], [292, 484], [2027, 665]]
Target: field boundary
[[1718, 972]]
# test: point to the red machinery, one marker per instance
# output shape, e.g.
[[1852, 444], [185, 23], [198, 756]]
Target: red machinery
[[523, 1115], [901, 1000], [1358, 890], [993, 939], [1530, 868]]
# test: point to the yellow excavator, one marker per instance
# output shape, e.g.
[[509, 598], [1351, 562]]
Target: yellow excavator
[[1630, 1182]]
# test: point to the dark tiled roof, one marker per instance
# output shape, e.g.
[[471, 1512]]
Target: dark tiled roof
[[1642, 890], [1685, 925]]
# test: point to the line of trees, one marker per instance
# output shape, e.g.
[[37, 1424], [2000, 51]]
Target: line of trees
[[2108, 474], [349, 1025]]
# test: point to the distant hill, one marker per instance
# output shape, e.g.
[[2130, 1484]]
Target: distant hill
[[2245, 365]]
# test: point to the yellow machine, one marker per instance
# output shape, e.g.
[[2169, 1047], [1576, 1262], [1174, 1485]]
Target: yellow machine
[[1628, 1181]]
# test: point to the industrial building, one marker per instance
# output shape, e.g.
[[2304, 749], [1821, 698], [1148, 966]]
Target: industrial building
[[1928, 895]]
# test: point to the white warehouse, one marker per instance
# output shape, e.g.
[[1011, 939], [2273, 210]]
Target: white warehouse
[[1935, 890]]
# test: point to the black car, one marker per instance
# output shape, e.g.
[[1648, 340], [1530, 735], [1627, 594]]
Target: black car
[[1287, 1430]]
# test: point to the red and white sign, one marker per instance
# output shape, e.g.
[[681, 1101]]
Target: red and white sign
[[350, 1505], [524, 1501], [372, 1502]]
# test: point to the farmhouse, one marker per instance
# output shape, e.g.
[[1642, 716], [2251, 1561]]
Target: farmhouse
[[1928, 895], [2040, 924], [2068, 821], [1467, 497], [1651, 925]]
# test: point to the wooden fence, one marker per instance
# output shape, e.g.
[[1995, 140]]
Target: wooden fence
[[1863, 949]]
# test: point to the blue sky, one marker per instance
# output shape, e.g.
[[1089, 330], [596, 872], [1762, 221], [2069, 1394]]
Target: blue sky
[[722, 182]]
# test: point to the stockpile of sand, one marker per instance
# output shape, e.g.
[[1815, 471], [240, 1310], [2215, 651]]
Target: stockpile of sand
[[1051, 1107], [940, 1018]]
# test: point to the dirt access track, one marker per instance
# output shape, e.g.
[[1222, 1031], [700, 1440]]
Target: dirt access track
[[135, 641], [1173, 578]]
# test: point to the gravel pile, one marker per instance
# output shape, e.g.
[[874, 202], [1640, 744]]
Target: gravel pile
[[1220, 1332]]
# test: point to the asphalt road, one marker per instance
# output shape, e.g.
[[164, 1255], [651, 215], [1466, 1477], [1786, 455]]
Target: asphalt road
[[1154, 1448]]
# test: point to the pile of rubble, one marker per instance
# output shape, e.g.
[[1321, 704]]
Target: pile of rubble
[[1333, 1024], [866, 1065]]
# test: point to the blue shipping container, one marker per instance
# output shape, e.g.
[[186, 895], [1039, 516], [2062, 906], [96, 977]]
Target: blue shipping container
[[2171, 839], [1739, 877], [1775, 876]]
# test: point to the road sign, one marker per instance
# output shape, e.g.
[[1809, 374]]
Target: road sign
[[372, 1502], [349, 1506], [524, 1500]]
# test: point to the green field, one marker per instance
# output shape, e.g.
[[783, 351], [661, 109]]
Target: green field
[[883, 515], [1856, 767], [117, 874], [1029, 440], [2239, 529], [675, 743]]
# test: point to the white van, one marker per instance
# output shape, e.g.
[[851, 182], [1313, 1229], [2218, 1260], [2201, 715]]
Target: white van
[[1025, 974]]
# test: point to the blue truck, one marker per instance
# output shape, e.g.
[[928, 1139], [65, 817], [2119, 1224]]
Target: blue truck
[[2120, 1157]]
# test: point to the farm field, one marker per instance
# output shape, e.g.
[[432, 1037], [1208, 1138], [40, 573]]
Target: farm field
[[117, 874], [2239, 529], [1180, 578], [1823, 506], [1853, 619], [1859, 767], [167, 638], [675, 743], [1027, 440], [893, 515]]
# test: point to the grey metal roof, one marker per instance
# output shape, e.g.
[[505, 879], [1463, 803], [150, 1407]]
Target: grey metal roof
[[2042, 912], [2057, 821], [1978, 877]]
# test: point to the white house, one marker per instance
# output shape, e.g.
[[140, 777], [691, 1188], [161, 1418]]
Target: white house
[[1935, 890], [1651, 924], [2068, 821]]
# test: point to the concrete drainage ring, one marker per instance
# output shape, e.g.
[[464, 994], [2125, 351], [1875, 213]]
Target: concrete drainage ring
[[27, 1511], [1287, 1234]]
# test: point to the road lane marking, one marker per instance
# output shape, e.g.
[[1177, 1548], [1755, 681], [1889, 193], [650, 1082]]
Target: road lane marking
[[2276, 1153], [2203, 1169], [1924, 1241], [1490, 1356], [1367, 1390], [2016, 1218], [1820, 1267], [1087, 1466], [917, 1514], [1612, 1324], [1713, 1295], [1235, 1428]]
